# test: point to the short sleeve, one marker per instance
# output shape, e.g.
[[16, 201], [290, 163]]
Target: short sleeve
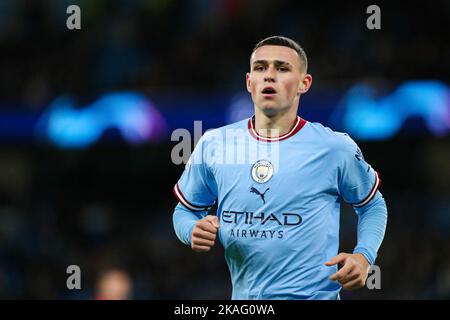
[[358, 181], [196, 189]]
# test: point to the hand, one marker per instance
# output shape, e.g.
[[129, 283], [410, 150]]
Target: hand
[[354, 271], [204, 234]]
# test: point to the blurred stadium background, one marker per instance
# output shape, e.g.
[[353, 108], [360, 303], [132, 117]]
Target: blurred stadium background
[[86, 118]]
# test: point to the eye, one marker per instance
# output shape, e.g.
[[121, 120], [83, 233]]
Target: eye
[[258, 68], [283, 69]]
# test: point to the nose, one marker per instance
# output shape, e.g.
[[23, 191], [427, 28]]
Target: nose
[[270, 74]]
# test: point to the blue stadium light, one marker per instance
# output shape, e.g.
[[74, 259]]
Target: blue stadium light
[[367, 117], [132, 114]]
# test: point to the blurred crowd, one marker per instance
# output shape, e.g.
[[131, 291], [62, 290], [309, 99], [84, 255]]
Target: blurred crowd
[[109, 210], [166, 45]]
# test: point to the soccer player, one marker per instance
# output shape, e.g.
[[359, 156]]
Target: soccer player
[[278, 214]]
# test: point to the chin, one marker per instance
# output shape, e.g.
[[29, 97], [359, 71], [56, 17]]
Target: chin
[[270, 112], [270, 108]]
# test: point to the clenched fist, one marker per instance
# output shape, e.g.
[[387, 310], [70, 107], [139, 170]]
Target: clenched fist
[[204, 234], [354, 271]]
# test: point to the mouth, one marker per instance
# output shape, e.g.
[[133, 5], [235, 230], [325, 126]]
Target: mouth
[[268, 92]]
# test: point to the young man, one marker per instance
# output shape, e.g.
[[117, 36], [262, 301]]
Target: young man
[[278, 215]]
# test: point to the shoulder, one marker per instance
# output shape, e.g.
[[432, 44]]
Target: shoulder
[[333, 140], [239, 125], [218, 134], [213, 140]]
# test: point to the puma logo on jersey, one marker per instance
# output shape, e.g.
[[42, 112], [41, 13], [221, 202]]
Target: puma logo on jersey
[[256, 191]]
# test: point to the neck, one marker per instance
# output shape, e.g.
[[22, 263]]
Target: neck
[[276, 125]]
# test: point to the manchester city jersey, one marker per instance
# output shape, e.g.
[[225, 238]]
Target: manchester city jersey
[[278, 204]]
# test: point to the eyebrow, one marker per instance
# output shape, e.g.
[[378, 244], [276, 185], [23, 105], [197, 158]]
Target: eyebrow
[[276, 62]]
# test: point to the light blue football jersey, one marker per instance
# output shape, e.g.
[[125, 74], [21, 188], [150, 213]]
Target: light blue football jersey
[[278, 204]]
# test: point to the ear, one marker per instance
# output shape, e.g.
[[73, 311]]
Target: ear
[[305, 84], [247, 80]]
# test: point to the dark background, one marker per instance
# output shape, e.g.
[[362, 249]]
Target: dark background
[[110, 204]]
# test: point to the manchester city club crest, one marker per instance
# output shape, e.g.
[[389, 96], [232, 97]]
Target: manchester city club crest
[[262, 171]]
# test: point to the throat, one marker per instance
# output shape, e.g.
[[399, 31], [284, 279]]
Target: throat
[[272, 128]]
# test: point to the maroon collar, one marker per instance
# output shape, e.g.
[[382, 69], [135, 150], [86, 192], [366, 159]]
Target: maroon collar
[[296, 128]]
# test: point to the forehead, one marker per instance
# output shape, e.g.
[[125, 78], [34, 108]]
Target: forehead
[[271, 53]]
